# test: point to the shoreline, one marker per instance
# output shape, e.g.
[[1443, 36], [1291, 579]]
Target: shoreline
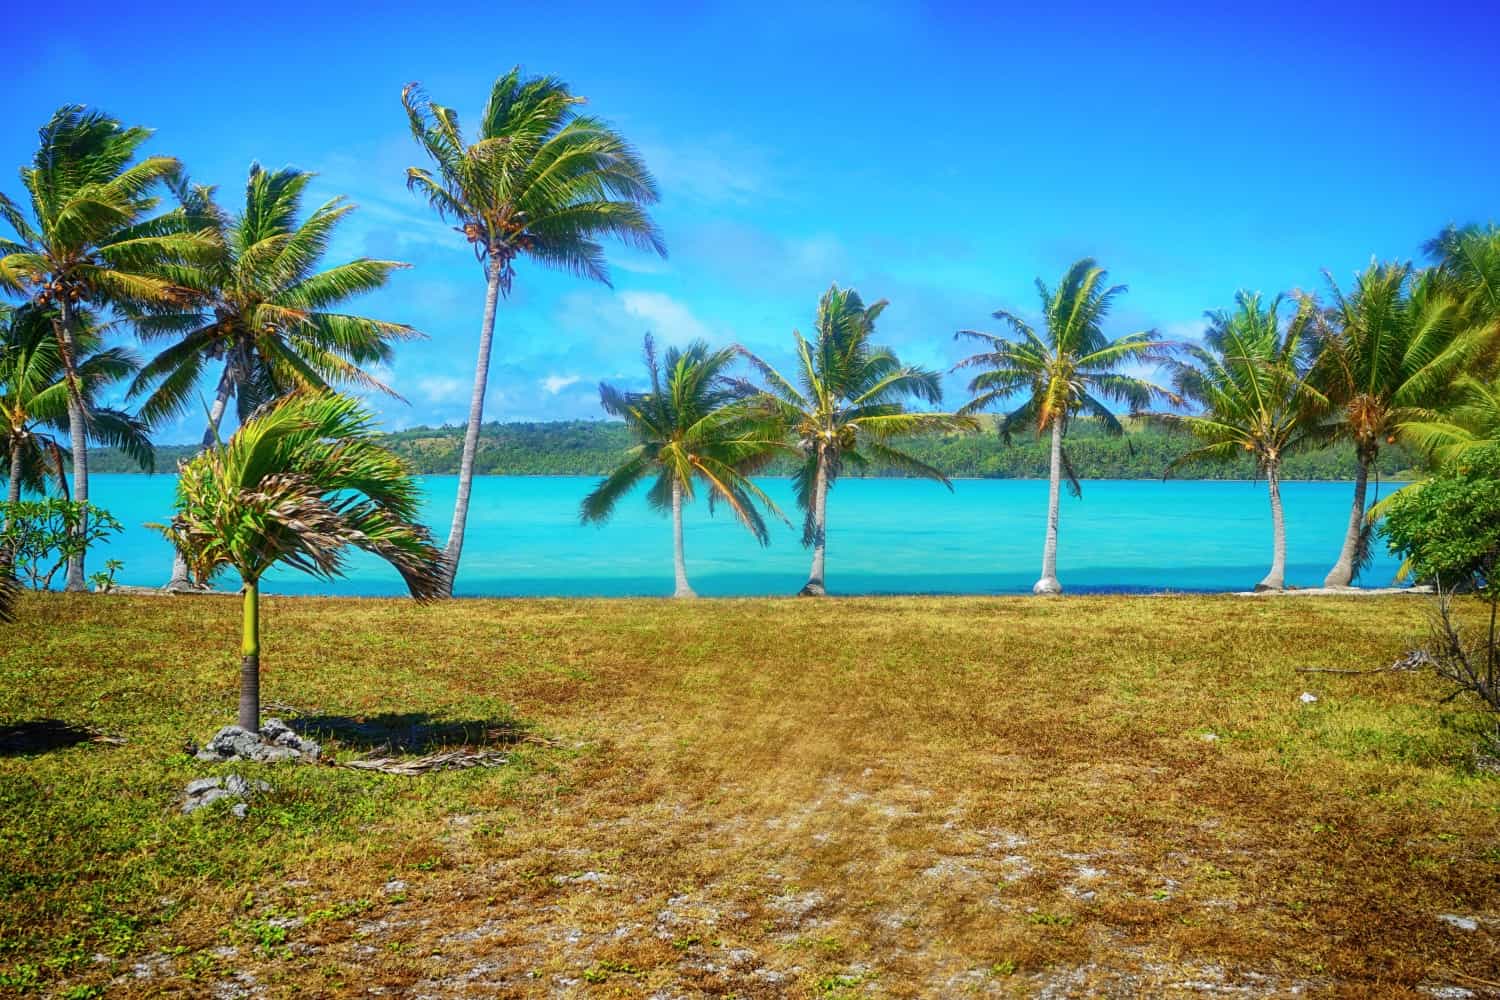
[[126, 590]]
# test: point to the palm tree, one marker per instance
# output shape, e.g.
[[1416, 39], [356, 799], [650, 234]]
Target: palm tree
[[265, 307], [34, 400], [539, 181], [846, 407], [1470, 420], [694, 423], [1388, 353], [1068, 370], [299, 483], [1469, 258], [1255, 397], [92, 240]]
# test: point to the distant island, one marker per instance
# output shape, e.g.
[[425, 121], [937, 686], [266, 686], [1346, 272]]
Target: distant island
[[593, 447]]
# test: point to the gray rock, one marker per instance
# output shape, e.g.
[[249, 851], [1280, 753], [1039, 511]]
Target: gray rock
[[202, 785], [1462, 923], [240, 810], [274, 743]]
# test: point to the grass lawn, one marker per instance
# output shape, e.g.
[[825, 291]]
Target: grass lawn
[[759, 798]]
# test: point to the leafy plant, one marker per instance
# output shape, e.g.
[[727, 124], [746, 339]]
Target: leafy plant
[[1448, 531], [105, 581], [40, 536]]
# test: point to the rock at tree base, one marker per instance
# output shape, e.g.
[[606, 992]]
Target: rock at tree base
[[275, 742]]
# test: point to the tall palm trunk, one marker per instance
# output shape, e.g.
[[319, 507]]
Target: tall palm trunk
[[250, 659], [180, 579], [679, 557], [815, 581], [471, 432], [13, 488], [78, 434], [1048, 584], [1343, 571], [1276, 579]]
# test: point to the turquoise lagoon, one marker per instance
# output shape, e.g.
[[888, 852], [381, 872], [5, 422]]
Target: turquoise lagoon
[[886, 536]]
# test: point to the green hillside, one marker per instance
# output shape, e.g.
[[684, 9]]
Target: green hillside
[[591, 447]]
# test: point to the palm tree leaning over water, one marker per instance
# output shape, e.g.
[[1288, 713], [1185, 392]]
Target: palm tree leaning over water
[[1388, 353], [1255, 396], [265, 307], [540, 181], [35, 396], [92, 240], [299, 483], [1068, 369], [693, 424], [846, 407]]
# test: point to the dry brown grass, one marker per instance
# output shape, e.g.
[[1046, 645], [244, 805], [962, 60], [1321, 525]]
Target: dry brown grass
[[892, 797]]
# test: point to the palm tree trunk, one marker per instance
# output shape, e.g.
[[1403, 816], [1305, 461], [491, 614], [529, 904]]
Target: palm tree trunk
[[1343, 571], [78, 434], [180, 579], [13, 488], [471, 432], [815, 580], [1276, 579], [679, 559], [1048, 583], [250, 659]]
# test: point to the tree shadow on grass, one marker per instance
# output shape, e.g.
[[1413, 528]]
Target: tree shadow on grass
[[38, 736], [409, 732]]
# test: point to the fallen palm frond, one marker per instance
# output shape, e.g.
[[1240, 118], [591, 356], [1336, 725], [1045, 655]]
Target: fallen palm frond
[[452, 760]]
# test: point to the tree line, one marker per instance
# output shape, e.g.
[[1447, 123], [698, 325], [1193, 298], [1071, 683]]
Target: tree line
[[590, 448]]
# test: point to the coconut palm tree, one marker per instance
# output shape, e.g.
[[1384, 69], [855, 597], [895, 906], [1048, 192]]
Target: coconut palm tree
[[1255, 395], [300, 482], [1388, 352], [1067, 370], [694, 424], [35, 395], [846, 407], [539, 181], [265, 308], [1469, 257], [92, 239]]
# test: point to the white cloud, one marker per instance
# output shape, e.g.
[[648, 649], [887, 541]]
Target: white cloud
[[439, 389], [667, 319], [555, 384]]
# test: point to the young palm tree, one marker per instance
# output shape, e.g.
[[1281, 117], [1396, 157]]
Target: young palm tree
[[35, 396], [1255, 397], [693, 424], [1469, 420], [1068, 369], [540, 181], [264, 305], [846, 406], [92, 240], [1388, 353], [299, 483]]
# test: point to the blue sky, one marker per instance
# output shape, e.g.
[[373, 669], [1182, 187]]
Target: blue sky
[[933, 155]]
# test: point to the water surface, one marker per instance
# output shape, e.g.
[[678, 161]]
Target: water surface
[[884, 536]]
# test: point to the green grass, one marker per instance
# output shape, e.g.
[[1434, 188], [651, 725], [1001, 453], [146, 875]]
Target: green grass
[[882, 797]]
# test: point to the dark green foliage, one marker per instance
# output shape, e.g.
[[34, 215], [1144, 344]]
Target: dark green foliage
[[1448, 528], [593, 447]]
